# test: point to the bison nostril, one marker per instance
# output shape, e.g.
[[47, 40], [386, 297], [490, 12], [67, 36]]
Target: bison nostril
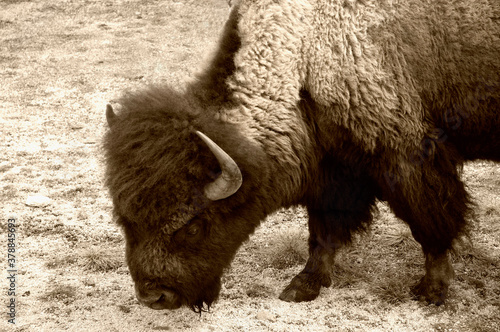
[[158, 298], [147, 296], [167, 300]]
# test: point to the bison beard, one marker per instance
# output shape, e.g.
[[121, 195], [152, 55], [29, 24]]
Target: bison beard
[[202, 301], [329, 111], [199, 299]]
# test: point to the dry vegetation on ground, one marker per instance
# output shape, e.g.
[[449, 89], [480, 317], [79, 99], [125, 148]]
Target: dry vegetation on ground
[[60, 63]]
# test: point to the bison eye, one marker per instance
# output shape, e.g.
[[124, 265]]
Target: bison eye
[[193, 230], [190, 232]]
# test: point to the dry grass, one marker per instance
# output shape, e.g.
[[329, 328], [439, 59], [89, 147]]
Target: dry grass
[[400, 238], [63, 293], [98, 259], [60, 63], [392, 289], [287, 249], [61, 261]]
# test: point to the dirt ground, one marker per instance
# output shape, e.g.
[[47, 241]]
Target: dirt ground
[[61, 61]]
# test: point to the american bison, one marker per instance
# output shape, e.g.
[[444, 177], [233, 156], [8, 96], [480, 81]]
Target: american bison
[[328, 104]]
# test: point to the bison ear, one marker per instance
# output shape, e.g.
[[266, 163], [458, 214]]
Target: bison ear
[[110, 115], [230, 180]]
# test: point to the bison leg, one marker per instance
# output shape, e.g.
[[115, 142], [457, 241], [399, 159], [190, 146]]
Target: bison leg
[[432, 199], [433, 287], [306, 285], [333, 217]]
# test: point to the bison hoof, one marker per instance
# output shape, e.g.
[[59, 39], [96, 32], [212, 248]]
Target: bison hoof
[[301, 289], [432, 292]]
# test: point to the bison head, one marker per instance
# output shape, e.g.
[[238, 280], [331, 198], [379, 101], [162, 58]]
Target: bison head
[[177, 197]]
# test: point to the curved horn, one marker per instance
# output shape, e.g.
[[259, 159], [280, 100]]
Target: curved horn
[[230, 180], [110, 115]]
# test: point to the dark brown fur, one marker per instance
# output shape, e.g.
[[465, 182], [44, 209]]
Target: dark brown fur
[[179, 242]]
